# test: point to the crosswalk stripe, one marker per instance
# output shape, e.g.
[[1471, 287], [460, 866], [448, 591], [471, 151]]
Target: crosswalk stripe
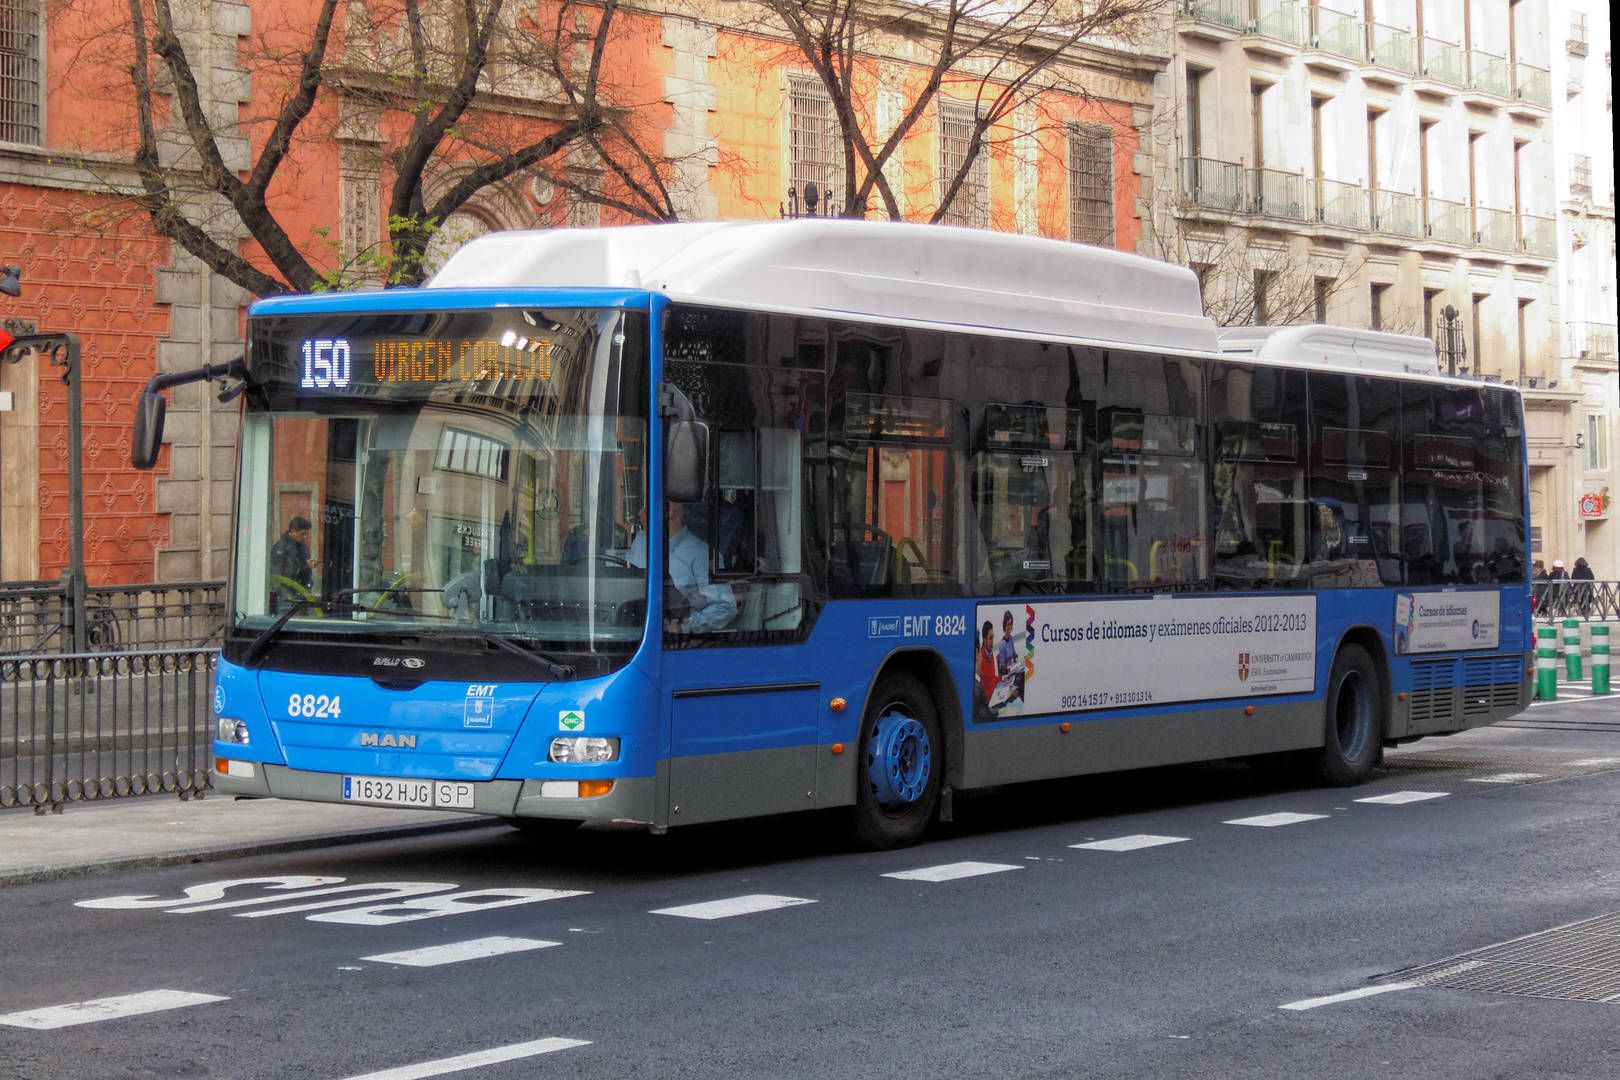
[[1399, 798], [736, 905], [457, 951], [1130, 843], [475, 1060], [110, 1008], [951, 871], [1271, 821]]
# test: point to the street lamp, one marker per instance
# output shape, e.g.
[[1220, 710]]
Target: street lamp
[[60, 350], [1451, 339]]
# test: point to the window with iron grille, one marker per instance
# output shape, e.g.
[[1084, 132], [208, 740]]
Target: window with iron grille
[[972, 203], [1091, 184], [19, 71], [815, 151]]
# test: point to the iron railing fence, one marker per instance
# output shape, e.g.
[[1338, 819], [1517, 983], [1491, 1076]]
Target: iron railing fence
[[86, 726], [36, 616], [1593, 601]]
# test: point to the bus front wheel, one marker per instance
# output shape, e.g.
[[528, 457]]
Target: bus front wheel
[[901, 763], [1354, 720]]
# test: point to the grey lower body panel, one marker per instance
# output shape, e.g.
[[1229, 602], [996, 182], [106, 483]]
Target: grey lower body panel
[[631, 799], [1107, 744]]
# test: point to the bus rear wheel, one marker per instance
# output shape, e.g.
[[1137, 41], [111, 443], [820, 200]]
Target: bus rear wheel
[[1354, 719], [901, 764]]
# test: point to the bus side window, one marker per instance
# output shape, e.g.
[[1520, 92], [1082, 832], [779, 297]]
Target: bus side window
[[1258, 498]]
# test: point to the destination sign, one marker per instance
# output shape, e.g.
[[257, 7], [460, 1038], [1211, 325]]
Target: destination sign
[[329, 363]]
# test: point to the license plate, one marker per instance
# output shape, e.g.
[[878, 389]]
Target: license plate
[[391, 791]]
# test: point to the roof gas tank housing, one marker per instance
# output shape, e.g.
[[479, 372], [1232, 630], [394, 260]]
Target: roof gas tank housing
[[1334, 346], [869, 270]]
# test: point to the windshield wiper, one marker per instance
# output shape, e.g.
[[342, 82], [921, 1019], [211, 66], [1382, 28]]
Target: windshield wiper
[[552, 667], [257, 645]]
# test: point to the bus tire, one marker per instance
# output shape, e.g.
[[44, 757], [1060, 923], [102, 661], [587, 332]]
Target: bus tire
[[1354, 719], [901, 763]]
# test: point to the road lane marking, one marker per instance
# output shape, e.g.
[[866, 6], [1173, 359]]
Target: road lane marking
[[1595, 761], [1348, 995], [475, 1060], [952, 871], [457, 951], [1505, 778], [1400, 798], [736, 905], [1130, 843], [111, 1008], [1271, 821]]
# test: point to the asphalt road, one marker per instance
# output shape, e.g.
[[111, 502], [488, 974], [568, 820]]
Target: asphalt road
[[1175, 957]]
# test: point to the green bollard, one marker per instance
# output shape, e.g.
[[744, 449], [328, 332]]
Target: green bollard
[[1547, 663], [1572, 649], [1600, 659]]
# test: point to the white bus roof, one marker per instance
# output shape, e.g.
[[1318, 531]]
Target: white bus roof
[[1333, 346], [885, 271]]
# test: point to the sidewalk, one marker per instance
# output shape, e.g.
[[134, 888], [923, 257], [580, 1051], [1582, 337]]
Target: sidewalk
[[163, 830]]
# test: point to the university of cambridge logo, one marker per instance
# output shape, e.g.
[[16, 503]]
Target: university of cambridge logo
[[1243, 667]]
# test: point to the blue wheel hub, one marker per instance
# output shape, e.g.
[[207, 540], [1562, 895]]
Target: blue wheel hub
[[899, 760]]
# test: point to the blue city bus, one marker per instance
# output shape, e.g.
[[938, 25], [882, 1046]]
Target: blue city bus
[[682, 523]]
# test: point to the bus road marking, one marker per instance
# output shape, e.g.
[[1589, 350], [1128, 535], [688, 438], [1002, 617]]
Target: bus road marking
[[1348, 995], [1271, 821], [1130, 843], [1401, 798], [457, 951], [1505, 778], [952, 871], [737, 905], [475, 1060], [110, 1008]]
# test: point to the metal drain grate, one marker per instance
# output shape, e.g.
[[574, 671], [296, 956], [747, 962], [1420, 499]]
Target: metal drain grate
[[1578, 962]]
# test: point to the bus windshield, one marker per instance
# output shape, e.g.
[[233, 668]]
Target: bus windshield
[[458, 474]]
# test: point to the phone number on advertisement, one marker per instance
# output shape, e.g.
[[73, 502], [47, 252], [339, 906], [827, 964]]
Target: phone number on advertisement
[[1105, 697]]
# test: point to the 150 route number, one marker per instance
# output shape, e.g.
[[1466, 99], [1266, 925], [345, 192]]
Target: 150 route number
[[315, 706]]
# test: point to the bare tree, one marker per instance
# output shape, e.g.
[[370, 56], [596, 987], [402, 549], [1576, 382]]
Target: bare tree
[[990, 54], [480, 97]]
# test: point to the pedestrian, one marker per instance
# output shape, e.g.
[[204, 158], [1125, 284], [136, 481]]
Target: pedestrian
[[1538, 588], [290, 560], [1583, 592], [1557, 584]]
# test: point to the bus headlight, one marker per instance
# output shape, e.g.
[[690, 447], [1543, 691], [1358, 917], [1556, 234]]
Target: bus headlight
[[576, 750], [233, 731]]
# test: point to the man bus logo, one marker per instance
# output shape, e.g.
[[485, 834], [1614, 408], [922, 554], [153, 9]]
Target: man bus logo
[[388, 738], [1243, 667]]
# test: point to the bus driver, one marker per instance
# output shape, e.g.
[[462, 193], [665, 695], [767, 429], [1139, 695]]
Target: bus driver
[[709, 605]]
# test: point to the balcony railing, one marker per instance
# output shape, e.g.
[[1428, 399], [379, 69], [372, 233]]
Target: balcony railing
[[1489, 74], [1334, 32], [1397, 213], [1533, 85], [1344, 205], [1538, 236], [1279, 19], [1391, 47], [1575, 44], [1448, 222], [1495, 229], [1593, 341], [1580, 176], [1215, 184], [1444, 62], [1277, 194], [1228, 13]]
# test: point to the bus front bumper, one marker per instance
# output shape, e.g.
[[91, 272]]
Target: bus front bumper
[[629, 802]]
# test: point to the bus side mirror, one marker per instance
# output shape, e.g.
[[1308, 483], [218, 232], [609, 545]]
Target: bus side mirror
[[686, 461], [149, 412]]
